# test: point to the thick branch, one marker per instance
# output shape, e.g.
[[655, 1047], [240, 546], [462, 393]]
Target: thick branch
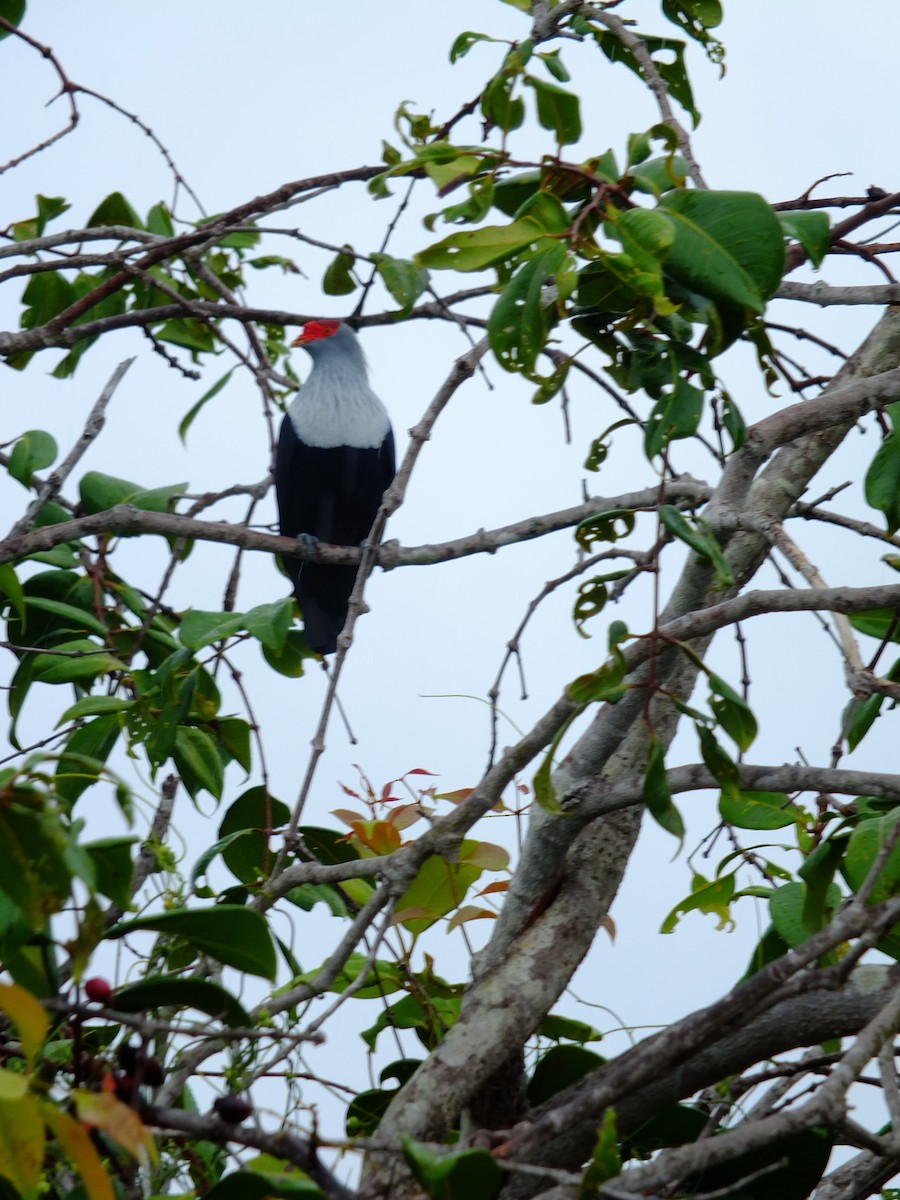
[[125, 518]]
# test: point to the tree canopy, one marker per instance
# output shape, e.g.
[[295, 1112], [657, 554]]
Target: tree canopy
[[223, 972]]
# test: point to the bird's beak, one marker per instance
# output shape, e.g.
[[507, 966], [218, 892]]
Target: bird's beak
[[301, 337]]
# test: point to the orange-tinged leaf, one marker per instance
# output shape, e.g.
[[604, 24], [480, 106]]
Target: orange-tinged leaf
[[405, 815], [456, 797], [485, 855], [22, 1144], [379, 836], [27, 1014], [118, 1121], [79, 1148], [469, 912], [499, 885], [410, 914], [347, 815]]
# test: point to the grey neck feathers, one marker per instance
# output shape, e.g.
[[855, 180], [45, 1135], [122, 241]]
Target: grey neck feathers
[[336, 406]]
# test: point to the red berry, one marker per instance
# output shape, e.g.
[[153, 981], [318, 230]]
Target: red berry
[[232, 1109], [98, 990]]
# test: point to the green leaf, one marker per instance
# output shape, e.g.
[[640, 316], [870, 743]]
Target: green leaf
[[499, 106], [723, 769], [257, 814], [233, 734], [173, 992], [11, 591], [727, 246], [32, 452], [465, 42], [607, 526], [159, 221], [811, 229], [114, 210], [259, 1184], [787, 909], [863, 848], [733, 422], [198, 762], [733, 713], [113, 867], [668, 58], [381, 979], [757, 810], [229, 933], [675, 415], [338, 278], [12, 11], [188, 420], [199, 629], [559, 1067], [606, 1162], [558, 110], [659, 175], [701, 543], [859, 716], [75, 661], [542, 783], [289, 659], [817, 872], [72, 619], [91, 744], [604, 684], [453, 1174], [709, 897], [882, 485], [567, 1029], [474, 249], [46, 295], [517, 327], [438, 888], [657, 794], [555, 66], [99, 492], [403, 279]]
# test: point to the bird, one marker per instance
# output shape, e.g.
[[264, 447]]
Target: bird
[[334, 461]]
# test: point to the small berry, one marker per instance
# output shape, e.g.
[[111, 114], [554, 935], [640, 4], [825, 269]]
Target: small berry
[[232, 1109], [127, 1056], [153, 1073], [98, 990], [124, 1088]]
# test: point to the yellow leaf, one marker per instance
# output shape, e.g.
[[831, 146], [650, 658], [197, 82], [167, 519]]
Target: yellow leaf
[[77, 1144], [13, 1085], [103, 1111], [22, 1144], [27, 1015]]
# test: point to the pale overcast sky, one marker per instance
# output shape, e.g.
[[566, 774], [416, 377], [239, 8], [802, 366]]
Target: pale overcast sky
[[247, 97]]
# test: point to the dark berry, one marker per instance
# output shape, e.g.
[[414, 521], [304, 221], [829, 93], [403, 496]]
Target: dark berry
[[98, 990], [233, 1109], [127, 1056], [153, 1073]]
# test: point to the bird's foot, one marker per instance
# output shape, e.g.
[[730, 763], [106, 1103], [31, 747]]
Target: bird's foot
[[308, 541]]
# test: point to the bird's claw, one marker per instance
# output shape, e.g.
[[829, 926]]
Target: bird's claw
[[308, 541]]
